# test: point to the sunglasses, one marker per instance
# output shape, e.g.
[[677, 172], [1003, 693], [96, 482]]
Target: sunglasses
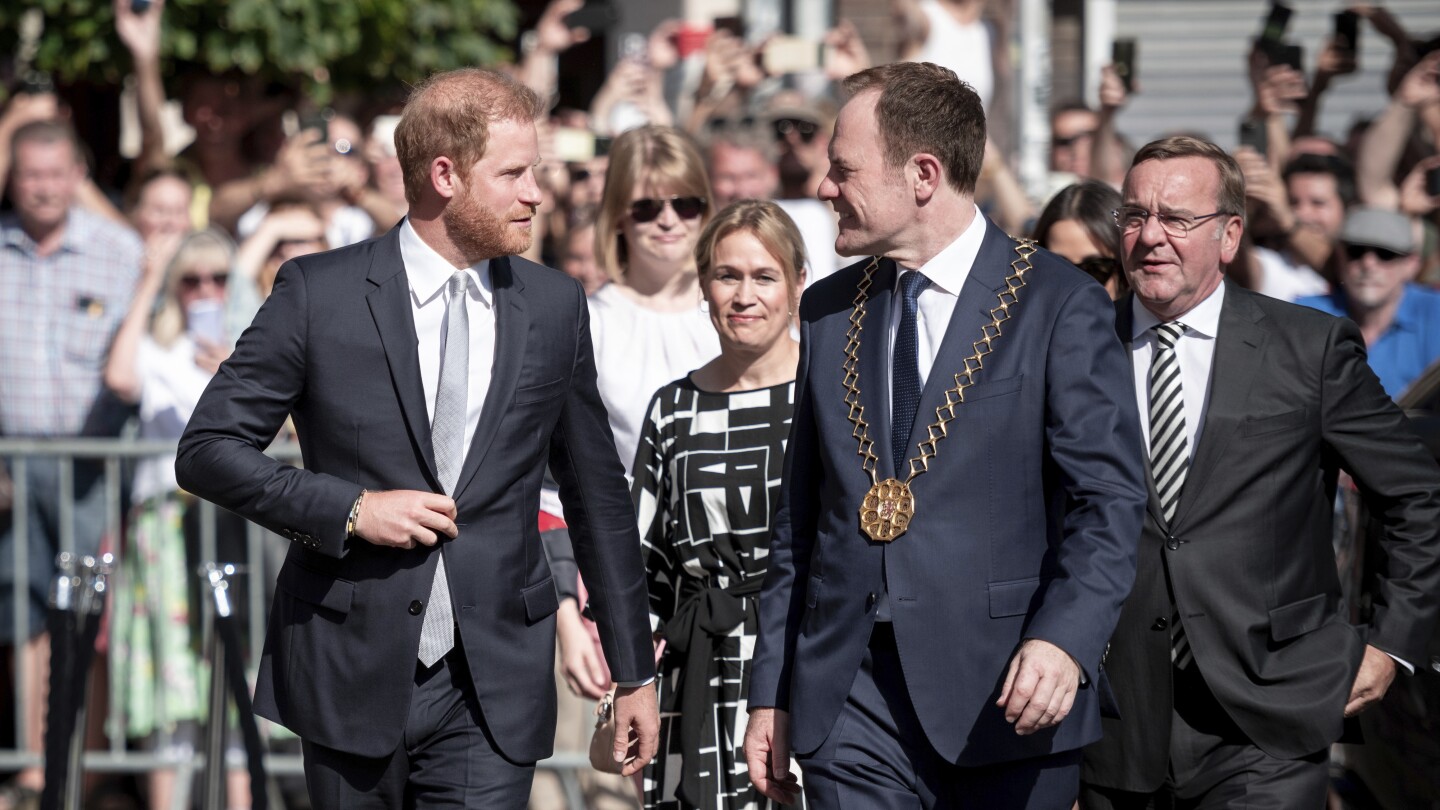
[[193, 281], [579, 175], [1357, 252], [805, 129], [1100, 268], [1071, 140], [684, 207]]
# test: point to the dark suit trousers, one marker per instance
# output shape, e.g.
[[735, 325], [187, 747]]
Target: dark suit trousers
[[446, 756], [877, 756], [1213, 765]]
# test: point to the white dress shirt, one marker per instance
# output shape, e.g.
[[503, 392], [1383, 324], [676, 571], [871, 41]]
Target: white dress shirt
[[1195, 351], [947, 272], [429, 276]]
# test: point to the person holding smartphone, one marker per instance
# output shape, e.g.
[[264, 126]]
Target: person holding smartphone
[[162, 359]]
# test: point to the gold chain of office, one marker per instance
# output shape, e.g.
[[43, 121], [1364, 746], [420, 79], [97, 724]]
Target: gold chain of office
[[889, 506]]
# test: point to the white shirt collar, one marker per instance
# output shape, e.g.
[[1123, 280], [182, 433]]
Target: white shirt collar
[[429, 272], [948, 269], [1203, 318]]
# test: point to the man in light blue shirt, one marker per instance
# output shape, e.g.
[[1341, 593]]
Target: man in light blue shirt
[[1399, 319]]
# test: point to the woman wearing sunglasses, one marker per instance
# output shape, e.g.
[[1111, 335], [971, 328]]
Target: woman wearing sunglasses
[[706, 473], [168, 347], [647, 324], [1078, 225]]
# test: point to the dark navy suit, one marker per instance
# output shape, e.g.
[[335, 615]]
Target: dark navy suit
[[1026, 523], [335, 347]]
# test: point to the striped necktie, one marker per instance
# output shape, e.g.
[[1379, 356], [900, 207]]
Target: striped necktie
[[1169, 449]]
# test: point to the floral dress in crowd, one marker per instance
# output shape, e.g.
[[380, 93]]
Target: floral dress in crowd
[[707, 475], [158, 675]]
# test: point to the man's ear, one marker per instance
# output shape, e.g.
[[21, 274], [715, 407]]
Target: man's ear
[[444, 178], [925, 175], [1230, 239]]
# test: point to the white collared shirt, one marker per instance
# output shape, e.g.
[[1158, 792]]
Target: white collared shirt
[[429, 276], [947, 272], [1195, 351]]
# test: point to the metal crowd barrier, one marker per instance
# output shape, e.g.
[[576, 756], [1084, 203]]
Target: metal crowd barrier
[[264, 552]]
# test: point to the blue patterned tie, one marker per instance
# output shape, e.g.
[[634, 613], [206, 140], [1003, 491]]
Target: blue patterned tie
[[905, 385]]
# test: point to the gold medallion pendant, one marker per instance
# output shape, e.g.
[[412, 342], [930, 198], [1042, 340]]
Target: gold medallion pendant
[[889, 506], [887, 509]]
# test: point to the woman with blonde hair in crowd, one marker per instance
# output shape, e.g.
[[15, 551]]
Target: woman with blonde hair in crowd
[[170, 344], [647, 325], [706, 472]]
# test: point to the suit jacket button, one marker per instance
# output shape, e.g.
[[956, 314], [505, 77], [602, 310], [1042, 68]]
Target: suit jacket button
[[416, 607], [1160, 623], [870, 602], [1172, 544]]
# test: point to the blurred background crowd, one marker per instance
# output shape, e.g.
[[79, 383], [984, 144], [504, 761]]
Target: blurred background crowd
[[160, 159]]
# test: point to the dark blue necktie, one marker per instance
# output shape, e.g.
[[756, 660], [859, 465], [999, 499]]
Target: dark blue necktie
[[905, 385]]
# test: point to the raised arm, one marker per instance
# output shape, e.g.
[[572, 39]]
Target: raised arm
[[1384, 142]]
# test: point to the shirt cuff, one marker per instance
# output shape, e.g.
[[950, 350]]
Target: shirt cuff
[[1409, 667], [637, 684]]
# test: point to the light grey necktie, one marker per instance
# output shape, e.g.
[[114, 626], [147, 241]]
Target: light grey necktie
[[447, 438], [1169, 449]]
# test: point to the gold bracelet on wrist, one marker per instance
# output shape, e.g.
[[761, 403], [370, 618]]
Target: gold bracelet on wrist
[[354, 514]]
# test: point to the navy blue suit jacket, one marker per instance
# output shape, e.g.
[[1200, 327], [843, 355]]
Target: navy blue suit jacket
[[335, 347], [1026, 524]]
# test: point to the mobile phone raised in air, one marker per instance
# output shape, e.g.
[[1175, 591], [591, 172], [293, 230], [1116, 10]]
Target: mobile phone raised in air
[[1122, 57]]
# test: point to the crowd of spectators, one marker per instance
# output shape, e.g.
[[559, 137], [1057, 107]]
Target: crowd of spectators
[[118, 304]]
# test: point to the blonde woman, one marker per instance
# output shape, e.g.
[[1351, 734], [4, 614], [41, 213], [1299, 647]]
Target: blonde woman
[[168, 347], [706, 472], [647, 324]]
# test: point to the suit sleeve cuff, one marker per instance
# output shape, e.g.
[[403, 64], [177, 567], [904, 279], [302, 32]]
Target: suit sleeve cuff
[[635, 684]]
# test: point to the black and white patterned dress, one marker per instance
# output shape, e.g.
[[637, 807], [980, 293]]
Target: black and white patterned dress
[[707, 475]]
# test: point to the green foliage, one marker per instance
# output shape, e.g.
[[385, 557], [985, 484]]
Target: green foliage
[[323, 45]]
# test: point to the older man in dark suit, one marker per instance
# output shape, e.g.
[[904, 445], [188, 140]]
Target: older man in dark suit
[[963, 488], [1234, 662], [431, 375]]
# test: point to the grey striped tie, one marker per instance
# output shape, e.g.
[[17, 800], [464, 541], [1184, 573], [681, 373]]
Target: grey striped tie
[[447, 438], [1169, 448]]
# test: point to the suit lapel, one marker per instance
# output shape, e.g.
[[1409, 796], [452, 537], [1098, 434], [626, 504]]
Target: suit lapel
[[395, 320], [1124, 326], [512, 327], [972, 314], [874, 364], [1239, 349]]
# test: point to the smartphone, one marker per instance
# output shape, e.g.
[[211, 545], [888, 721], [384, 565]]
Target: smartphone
[[786, 54], [1347, 30], [594, 16], [319, 121], [735, 25], [1432, 181], [1122, 57], [1276, 22], [1252, 134], [1280, 53], [37, 83], [633, 47], [691, 38], [205, 319], [573, 145]]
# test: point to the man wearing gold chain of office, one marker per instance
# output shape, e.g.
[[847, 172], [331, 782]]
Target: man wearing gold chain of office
[[964, 488]]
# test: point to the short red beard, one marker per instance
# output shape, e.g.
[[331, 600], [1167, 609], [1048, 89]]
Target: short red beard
[[478, 232]]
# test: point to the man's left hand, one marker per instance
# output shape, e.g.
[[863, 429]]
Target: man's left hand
[[1040, 687], [637, 727], [1377, 671]]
